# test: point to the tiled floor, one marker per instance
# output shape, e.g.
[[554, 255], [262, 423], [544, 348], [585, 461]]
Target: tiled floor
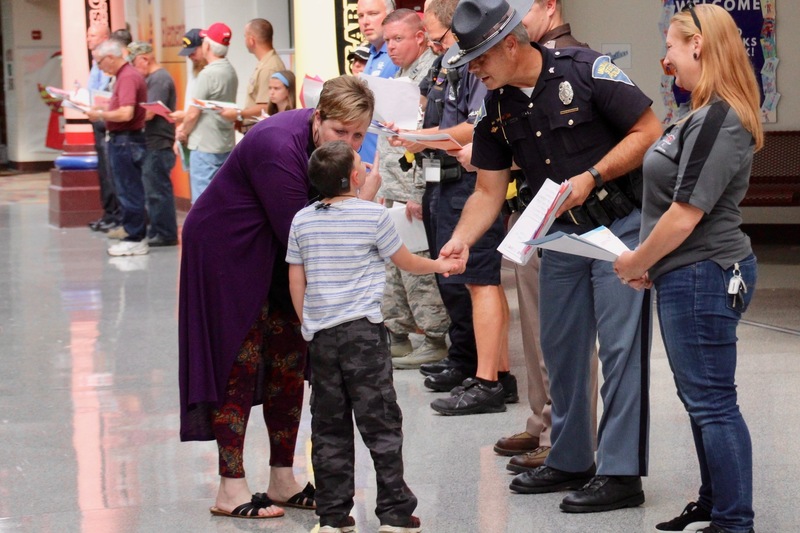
[[89, 413]]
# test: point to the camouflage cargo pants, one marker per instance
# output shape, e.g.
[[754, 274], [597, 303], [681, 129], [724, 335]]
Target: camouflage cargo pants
[[352, 375], [412, 301]]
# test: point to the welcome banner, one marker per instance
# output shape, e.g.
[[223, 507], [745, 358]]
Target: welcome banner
[[756, 22]]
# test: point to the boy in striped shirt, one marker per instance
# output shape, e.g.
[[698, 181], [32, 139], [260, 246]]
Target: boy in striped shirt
[[336, 254]]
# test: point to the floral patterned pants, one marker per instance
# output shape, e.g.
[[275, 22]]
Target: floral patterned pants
[[274, 350]]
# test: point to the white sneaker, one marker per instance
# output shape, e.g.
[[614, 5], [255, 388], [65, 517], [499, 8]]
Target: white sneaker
[[129, 248], [348, 526]]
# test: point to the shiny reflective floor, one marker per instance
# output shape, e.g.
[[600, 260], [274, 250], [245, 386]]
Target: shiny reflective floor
[[89, 407]]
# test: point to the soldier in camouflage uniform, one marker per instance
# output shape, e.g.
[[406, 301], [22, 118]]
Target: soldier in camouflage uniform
[[348, 343], [411, 303]]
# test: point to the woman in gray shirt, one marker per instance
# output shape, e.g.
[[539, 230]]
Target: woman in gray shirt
[[694, 253]]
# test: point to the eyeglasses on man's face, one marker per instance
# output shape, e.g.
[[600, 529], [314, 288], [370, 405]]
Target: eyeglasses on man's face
[[438, 42]]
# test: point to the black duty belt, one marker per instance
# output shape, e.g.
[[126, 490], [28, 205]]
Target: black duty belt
[[601, 208]]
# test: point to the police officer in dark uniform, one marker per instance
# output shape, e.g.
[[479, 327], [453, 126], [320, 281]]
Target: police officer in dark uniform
[[568, 114], [462, 355], [453, 99]]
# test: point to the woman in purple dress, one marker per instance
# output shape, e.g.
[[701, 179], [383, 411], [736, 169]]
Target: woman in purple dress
[[240, 342]]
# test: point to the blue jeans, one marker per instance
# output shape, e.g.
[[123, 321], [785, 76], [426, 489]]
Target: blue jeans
[[698, 324], [126, 153], [108, 195], [202, 167], [160, 199]]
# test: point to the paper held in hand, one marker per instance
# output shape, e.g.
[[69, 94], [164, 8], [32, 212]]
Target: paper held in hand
[[158, 108], [79, 99], [534, 222], [212, 105], [412, 232], [396, 100], [435, 141], [598, 243]]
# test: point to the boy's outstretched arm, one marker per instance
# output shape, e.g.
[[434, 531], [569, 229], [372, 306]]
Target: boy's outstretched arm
[[415, 264], [297, 288]]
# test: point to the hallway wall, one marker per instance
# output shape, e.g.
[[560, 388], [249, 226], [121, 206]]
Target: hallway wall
[[599, 23]]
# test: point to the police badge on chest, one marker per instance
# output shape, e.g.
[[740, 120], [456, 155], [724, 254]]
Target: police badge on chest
[[565, 92]]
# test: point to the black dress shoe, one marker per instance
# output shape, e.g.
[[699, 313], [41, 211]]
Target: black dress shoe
[[158, 240], [475, 398], [436, 367], [605, 493], [548, 479], [446, 380]]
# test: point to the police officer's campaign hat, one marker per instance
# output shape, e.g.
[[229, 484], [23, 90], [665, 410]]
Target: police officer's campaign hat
[[480, 24]]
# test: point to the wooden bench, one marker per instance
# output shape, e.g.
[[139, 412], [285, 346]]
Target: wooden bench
[[775, 178]]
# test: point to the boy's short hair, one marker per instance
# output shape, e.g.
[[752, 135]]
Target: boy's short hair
[[329, 168]]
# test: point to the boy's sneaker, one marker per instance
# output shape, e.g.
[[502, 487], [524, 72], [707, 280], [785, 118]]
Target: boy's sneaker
[[476, 398], [411, 526], [129, 248], [346, 526], [692, 519]]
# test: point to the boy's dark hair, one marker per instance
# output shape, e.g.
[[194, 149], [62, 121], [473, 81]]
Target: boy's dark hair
[[329, 168]]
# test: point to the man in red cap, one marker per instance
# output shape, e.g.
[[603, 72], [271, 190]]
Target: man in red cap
[[209, 136]]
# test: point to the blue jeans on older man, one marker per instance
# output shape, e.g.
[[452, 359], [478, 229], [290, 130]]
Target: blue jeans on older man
[[126, 152], [698, 324], [160, 198], [202, 168]]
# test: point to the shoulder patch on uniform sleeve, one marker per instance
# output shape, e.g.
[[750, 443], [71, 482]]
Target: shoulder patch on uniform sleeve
[[480, 113], [604, 69]]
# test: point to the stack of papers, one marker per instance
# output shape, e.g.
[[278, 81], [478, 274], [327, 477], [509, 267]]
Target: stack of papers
[[436, 141], [159, 109], [534, 222], [78, 100], [212, 105], [599, 243]]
